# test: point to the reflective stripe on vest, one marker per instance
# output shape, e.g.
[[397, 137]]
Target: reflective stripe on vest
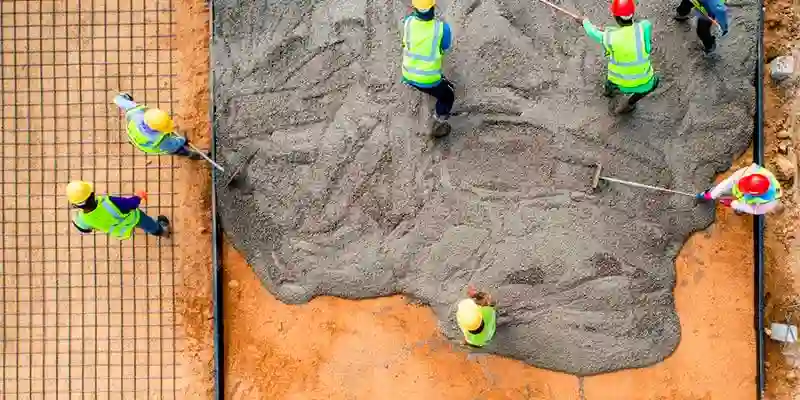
[[107, 218], [422, 58], [626, 69], [699, 7], [138, 133], [773, 193], [489, 326]]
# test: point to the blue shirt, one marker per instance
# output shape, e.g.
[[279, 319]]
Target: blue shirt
[[716, 9], [447, 41]]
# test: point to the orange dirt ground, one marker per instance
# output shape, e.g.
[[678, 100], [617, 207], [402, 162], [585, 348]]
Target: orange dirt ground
[[388, 349]]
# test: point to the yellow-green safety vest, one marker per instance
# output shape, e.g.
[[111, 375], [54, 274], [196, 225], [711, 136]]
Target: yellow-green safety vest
[[773, 193], [107, 218], [628, 60], [147, 143], [483, 337], [422, 55], [702, 9]]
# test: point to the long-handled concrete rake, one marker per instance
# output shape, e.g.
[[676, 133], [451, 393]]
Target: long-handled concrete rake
[[236, 171], [598, 177]]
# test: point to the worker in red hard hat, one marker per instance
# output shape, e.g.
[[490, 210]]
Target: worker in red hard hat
[[627, 47], [752, 190]]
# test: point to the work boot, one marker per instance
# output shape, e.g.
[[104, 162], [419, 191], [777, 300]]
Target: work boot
[[626, 108], [440, 126], [164, 222], [609, 90], [681, 18]]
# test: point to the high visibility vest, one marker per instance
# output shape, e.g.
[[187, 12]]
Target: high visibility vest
[[422, 56], [628, 60], [702, 9], [483, 337], [699, 7], [109, 219], [145, 139], [773, 193]]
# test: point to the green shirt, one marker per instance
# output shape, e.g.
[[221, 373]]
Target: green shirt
[[647, 29]]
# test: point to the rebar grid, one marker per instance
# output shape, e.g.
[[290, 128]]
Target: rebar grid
[[83, 314]]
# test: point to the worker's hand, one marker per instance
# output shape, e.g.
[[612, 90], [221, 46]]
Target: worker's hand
[[726, 201], [704, 196], [142, 195]]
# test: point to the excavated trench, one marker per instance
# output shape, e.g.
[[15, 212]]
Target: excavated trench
[[348, 196]]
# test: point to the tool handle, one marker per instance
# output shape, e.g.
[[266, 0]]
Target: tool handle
[[641, 185], [573, 15], [196, 150]]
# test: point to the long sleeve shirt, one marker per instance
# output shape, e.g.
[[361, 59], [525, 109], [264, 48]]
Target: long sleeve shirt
[[124, 204], [725, 188], [717, 10], [446, 43], [171, 143]]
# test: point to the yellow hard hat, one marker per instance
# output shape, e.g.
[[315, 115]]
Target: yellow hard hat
[[79, 191], [158, 120], [469, 315], [423, 5]]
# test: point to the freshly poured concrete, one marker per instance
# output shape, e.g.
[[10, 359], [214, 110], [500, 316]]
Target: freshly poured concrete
[[349, 197]]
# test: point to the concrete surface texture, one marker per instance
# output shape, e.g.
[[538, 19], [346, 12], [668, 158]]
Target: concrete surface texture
[[349, 197]]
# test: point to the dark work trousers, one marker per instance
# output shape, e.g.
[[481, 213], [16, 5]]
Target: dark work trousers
[[610, 89], [445, 96], [638, 96], [703, 25]]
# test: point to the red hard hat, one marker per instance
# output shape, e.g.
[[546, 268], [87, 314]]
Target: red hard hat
[[623, 8], [755, 184]]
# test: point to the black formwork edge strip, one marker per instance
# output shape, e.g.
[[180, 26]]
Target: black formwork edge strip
[[758, 220], [216, 237]]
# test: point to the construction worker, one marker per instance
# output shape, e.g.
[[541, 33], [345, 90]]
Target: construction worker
[[752, 190], [425, 40], [477, 318], [115, 216], [628, 49], [709, 13], [152, 130]]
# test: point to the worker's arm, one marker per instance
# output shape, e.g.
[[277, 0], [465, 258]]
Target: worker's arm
[[172, 143], [592, 31], [718, 11], [126, 204], [447, 37], [124, 103], [753, 209], [647, 31], [78, 223]]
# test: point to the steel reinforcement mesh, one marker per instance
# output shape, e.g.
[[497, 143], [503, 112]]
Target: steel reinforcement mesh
[[83, 316]]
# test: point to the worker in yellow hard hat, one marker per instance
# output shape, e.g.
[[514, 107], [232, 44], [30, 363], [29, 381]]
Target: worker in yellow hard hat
[[115, 216], [425, 40], [152, 130], [477, 318]]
